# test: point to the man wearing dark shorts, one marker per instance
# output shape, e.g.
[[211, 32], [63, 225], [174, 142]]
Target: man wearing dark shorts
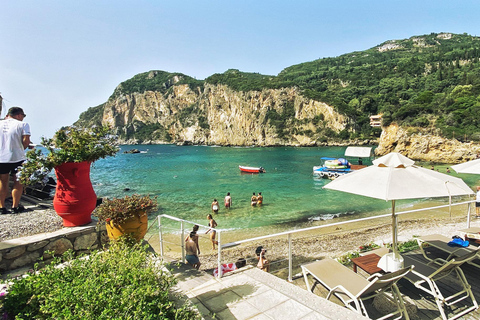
[[14, 139]]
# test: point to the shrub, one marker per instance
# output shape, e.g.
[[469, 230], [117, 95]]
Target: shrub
[[121, 209], [69, 144], [121, 283]]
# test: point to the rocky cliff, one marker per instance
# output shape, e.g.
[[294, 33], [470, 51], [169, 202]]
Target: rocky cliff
[[425, 145], [217, 115]]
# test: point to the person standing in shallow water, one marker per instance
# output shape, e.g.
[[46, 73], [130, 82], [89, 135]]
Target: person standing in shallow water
[[254, 200], [259, 199], [15, 138], [215, 206], [228, 200]]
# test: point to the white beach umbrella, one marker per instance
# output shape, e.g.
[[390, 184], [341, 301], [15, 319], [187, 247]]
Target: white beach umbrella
[[395, 177], [468, 167]]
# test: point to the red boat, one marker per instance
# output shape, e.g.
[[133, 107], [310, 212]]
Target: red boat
[[251, 169]]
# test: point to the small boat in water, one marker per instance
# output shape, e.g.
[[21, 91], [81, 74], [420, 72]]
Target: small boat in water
[[251, 169], [333, 168]]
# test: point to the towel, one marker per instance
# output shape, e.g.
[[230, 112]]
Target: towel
[[458, 242]]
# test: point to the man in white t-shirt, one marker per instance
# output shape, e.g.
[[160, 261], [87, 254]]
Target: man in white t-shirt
[[14, 139]]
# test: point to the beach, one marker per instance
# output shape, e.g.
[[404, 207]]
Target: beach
[[334, 241], [307, 246]]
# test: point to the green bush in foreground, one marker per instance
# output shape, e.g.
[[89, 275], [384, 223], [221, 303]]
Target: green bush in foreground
[[121, 283]]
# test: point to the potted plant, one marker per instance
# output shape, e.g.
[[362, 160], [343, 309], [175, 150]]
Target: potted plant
[[128, 215], [70, 153]]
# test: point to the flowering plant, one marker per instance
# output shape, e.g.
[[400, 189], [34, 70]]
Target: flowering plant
[[120, 209], [368, 247], [69, 144]]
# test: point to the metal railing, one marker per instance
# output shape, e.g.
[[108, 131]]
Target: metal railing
[[288, 234], [182, 237]]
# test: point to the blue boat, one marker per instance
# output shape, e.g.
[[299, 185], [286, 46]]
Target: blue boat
[[332, 168]]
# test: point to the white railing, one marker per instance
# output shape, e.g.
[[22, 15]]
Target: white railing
[[286, 233], [182, 238]]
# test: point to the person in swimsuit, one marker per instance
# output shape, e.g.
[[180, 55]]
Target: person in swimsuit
[[254, 200], [259, 199], [215, 206], [212, 224], [263, 263], [228, 200], [191, 247]]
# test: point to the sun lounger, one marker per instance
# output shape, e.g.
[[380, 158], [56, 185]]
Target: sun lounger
[[426, 274], [441, 242], [352, 289], [472, 234]]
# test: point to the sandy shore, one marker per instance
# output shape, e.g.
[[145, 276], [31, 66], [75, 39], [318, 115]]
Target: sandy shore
[[332, 241], [326, 242]]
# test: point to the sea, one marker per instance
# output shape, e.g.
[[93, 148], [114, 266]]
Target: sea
[[186, 179]]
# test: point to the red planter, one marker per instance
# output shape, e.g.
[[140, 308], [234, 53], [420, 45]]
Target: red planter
[[74, 198]]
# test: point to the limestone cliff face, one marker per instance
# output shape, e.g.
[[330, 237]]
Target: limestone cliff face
[[218, 115], [420, 144]]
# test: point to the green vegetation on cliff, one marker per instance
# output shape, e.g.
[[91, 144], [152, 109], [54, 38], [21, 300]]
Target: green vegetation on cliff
[[92, 117], [431, 80], [426, 81], [159, 81]]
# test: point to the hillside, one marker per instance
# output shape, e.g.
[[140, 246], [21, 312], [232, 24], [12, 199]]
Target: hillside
[[431, 82]]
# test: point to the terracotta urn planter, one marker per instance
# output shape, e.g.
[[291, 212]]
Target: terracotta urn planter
[[135, 226], [74, 198]]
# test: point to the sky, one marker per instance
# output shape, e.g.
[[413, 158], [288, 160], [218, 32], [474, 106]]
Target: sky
[[60, 57]]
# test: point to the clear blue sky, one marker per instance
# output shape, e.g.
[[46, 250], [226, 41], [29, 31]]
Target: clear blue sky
[[60, 57]]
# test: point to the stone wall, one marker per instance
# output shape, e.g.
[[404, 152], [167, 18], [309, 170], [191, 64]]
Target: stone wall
[[24, 252]]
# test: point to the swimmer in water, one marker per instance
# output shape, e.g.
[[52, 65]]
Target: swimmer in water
[[228, 200], [254, 200], [215, 206], [259, 199]]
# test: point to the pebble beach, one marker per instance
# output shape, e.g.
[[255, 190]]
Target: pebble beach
[[333, 242]]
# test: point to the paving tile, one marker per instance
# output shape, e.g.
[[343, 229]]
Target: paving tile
[[247, 290], [289, 309], [206, 314], [262, 316], [240, 311], [207, 292], [237, 278], [316, 316], [267, 300], [222, 301]]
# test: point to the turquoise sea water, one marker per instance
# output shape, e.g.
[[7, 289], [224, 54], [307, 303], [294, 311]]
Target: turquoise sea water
[[186, 179]]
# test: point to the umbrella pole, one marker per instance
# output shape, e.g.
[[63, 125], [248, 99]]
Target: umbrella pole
[[450, 205], [394, 231], [469, 215]]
